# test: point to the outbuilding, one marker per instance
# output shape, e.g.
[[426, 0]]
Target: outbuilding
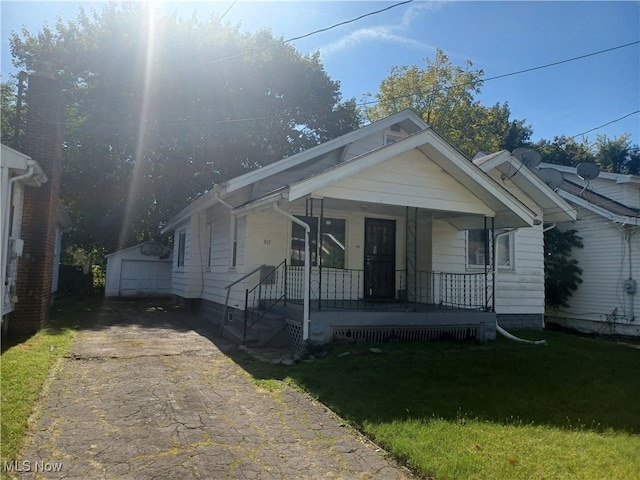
[[143, 270]]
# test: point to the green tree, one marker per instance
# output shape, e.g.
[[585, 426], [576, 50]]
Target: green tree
[[561, 272], [444, 96], [565, 151], [617, 155], [160, 109]]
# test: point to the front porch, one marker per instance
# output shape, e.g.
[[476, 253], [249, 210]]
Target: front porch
[[425, 306]]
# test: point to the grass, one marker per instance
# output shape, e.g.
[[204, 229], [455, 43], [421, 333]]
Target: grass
[[26, 363], [500, 411]]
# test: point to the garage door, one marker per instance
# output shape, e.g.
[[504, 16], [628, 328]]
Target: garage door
[[145, 279]]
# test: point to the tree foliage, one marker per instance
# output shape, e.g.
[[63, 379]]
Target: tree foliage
[[616, 155], [159, 109], [561, 272], [444, 96]]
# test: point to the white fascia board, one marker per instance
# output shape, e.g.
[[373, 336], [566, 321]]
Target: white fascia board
[[581, 202], [198, 205], [322, 149], [526, 180], [617, 177], [260, 203], [449, 158]]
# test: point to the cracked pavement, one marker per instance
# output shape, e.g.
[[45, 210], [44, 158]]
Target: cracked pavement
[[152, 394]]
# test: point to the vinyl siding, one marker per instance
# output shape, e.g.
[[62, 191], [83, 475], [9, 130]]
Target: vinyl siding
[[407, 180], [605, 266]]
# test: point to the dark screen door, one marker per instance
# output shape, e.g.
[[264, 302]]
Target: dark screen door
[[379, 259]]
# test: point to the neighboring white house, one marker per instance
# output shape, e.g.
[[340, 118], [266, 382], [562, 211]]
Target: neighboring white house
[[400, 228], [520, 298], [607, 301], [17, 171], [143, 270]]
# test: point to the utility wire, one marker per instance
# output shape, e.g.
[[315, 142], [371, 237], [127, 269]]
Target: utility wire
[[348, 21], [605, 124], [227, 10], [518, 72]]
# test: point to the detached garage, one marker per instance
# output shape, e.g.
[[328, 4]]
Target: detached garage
[[143, 270]]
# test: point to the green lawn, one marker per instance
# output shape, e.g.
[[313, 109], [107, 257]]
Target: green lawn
[[505, 410], [26, 363]]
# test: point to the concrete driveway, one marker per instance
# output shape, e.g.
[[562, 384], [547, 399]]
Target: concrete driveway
[[152, 394]]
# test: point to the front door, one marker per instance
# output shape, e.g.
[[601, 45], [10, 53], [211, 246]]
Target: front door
[[379, 259]]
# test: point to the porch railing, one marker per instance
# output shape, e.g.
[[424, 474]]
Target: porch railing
[[344, 289], [270, 291]]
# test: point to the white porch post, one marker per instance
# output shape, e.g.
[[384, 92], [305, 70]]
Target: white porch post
[[307, 270]]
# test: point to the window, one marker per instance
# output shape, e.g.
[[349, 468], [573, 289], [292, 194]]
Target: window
[[182, 240], [332, 242], [234, 242], [298, 241], [210, 252], [476, 250]]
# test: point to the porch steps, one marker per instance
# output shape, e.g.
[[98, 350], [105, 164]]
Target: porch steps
[[269, 331]]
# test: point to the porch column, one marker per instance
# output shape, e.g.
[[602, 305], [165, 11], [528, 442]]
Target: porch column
[[307, 270]]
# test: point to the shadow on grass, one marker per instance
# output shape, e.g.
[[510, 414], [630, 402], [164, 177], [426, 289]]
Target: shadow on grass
[[573, 383]]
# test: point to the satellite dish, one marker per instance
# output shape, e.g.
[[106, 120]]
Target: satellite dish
[[529, 157], [587, 170], [552, 177], [151, 248]]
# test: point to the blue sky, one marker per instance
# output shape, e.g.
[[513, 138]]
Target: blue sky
[[498, 37]]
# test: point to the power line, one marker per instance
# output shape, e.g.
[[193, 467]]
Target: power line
[[573, 59], [227, 10], [348, 21], [519, 72], [605, 124]]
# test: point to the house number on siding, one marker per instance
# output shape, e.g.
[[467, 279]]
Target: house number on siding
[[267, 242]]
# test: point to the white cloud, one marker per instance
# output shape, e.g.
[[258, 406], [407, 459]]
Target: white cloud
[[390, 33]]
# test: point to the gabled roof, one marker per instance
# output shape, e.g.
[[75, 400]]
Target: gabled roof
[[554, 208], [409, 121], [599, 204], [509, 210]]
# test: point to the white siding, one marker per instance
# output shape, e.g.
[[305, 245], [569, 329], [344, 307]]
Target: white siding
[[521, 290], [449, 248], [410, 179], [626, 193], [605, 266]]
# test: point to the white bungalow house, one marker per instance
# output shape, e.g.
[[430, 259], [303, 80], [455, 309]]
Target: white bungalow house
[[607, 301], [385, 232]]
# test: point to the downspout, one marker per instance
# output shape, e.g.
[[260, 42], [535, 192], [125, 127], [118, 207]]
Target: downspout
[[7, 213], [501, 330], [307, 269]]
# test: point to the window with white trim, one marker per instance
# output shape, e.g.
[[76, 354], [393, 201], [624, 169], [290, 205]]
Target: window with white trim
[[234, 241], [182, 240], [476, 243], [210, 249], [330, 238]]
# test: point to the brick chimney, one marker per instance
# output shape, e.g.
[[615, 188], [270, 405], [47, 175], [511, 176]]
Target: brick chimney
[[43, 143]]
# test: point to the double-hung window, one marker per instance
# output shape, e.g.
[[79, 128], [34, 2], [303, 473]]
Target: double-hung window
[[182, 240]]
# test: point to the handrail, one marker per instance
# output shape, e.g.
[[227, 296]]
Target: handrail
[[271, 276], [226, 300]]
